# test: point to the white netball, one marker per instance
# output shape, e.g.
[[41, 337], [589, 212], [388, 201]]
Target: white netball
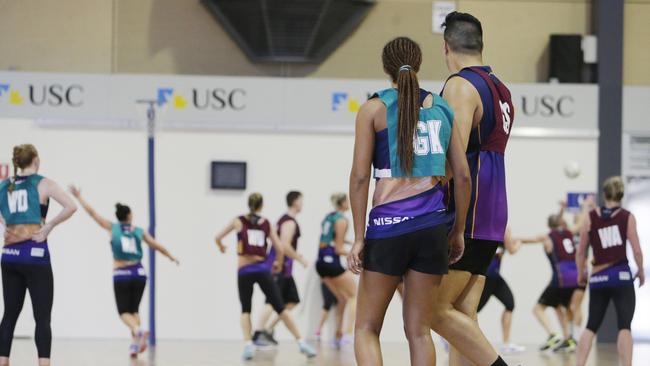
[[572, 169]]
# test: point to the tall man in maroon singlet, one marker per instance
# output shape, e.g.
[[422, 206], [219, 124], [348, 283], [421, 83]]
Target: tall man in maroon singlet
[[289, 233], [484, 114]]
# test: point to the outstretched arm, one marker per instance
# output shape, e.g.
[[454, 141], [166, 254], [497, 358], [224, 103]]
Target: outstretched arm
[[633, 237], [232, 225], [101, 221], [50, 189], [158, 247], [540, 239]]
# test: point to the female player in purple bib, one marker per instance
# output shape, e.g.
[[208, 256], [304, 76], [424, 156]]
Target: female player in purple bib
[[408, 142], [24, 201], [607, 231], [253, 235], [129, 276]]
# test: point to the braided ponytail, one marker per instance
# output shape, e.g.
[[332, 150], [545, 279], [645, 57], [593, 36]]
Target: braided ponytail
[[23, 157], [402, 58]]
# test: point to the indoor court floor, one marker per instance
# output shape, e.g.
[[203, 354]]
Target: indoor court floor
[[204, 353]]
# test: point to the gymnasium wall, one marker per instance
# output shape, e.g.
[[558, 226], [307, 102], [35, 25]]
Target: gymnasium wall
[[198, 300], [180, 36]]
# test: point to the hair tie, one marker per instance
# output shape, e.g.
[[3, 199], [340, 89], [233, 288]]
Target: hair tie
[[405, 68]]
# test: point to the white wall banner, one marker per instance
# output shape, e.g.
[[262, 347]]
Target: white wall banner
[[265, 104]]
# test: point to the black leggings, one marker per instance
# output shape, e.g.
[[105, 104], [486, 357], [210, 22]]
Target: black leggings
[[17, 278], [128, 294], [497, 286], [245, 283], [624, 302]]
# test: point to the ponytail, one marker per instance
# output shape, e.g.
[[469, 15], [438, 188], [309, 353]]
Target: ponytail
[[408, 112], [401, 58], [23, 156]]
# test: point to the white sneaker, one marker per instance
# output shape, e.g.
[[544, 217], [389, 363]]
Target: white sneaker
[[511, 348]]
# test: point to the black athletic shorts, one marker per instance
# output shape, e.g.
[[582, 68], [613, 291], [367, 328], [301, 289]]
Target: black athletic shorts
[[128, 294], [288, 289], [477, 256], [325, 269], [329, 299], [556, 296], [422, 251]]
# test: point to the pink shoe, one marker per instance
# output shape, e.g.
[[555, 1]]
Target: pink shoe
[[144, 338]]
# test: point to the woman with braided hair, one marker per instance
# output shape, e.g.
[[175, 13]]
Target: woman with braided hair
[[24, 202], [408, 136], [129, 276]]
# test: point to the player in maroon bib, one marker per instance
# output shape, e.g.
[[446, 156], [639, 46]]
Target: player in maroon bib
[[562, 293], [607, 231], [253, 235]]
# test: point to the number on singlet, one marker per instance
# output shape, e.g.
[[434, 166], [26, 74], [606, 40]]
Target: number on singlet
[[427, 138], [128, 245], [568, 245], [505, 111], [18, 202], [256, 238]]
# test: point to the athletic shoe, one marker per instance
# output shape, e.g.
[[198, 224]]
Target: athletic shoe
[[144, 341], [553, 341], [511, 348], [306, 349], [260, 340], [134, 349], [568, 346], [249, 352], [269, 337]]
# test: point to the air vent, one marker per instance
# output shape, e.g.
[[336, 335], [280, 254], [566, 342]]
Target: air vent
[[302, 31]]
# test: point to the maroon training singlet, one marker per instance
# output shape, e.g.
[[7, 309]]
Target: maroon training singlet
[[608, 236], [253, 237], [563, 248]]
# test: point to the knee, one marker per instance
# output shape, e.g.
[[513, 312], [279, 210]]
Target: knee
[[368, 326], [440, 316], [510, 307], [415, 331]]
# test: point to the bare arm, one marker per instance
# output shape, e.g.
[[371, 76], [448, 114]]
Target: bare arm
[[279, 251], [581, 253], [462, 190], [340, 228], [287, 231], [511, 245], [633, 237], [232, 225], [158, 247], [101, 221], [464, 99], [49, 188], [364, 145], [540, 239]]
